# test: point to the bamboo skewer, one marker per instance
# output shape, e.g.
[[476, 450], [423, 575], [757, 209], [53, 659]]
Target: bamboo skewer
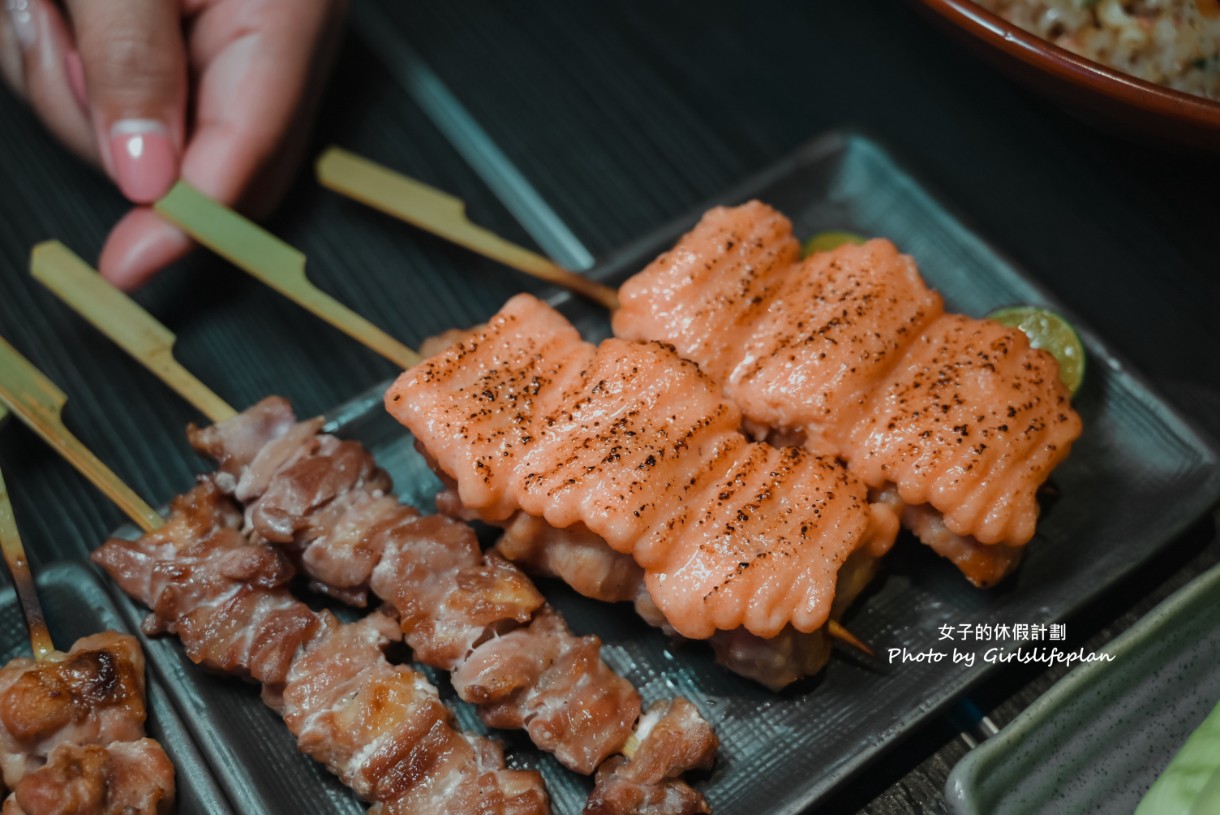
[[444, 215], [23, 580], [112, 312], [275, 263], [36, 401], [121, 319]]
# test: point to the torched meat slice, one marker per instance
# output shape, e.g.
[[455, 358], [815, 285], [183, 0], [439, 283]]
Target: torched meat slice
[[639, 447], [972, 422], [224, 598], [123, 778], [554, 685], [802, 351], [383, 730], [851, 353], [93, 694], [584, 561], [671, 739], [707, 293]]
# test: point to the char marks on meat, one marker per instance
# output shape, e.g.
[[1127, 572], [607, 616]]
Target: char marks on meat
[[124, 778], [383, 730], [72, 733], [850, 351], [472, 613], [639, 447], [555, 686], [378, 726]]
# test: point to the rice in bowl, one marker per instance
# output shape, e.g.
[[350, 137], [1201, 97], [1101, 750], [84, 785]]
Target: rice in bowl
[[1175, 43]]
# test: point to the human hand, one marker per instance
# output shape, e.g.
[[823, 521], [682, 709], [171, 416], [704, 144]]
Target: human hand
[[217, 92]]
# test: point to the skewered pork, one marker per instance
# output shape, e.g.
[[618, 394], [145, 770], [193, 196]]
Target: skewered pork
[[72, 733], [379, 727], [473, 614]]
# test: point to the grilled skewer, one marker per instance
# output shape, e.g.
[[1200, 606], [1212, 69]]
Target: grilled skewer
[[72, 724], [317, 499], [380, 727], [721, 280], [261, 254]]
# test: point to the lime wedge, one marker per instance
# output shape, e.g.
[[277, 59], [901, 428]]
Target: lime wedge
[[825, 241], [1050, 332]]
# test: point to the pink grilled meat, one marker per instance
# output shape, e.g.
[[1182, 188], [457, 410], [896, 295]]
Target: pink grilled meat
[[851, 352], [121, 778], [640, 448], [474, 614], [380, 727], [383, 730], [671, 737], [93, 694]]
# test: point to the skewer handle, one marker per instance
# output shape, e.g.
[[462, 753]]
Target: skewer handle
[[39, 404], [23, 580], [275, 263], [445, 216], [122, 320]]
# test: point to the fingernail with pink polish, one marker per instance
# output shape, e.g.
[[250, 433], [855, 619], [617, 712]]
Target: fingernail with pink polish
[[143, 159], [21, 16], [76, 78]]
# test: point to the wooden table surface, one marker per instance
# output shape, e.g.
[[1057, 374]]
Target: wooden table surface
[[576, 127]]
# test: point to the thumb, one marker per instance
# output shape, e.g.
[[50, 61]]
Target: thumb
[[135, 77]]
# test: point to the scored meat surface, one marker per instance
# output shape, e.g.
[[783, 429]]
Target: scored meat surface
[[639, 447], [850, 352]]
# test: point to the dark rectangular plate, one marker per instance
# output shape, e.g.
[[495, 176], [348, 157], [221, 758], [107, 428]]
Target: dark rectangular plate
[[1137, 477], [76, 604]]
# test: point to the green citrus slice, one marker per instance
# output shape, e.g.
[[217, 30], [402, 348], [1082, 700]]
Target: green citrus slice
[[825, 241], [1049, 331]]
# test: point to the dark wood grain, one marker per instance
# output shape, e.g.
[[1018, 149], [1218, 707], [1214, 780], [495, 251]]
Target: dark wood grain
[[622, 115]]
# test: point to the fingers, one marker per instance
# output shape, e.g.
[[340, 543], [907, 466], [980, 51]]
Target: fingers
[[260, 67], [133, 63], [139, 246], [38, 50], [256, 92]]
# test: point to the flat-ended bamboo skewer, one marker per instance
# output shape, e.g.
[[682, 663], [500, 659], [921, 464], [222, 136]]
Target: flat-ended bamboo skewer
[[119, 317], [443, 215], [114, 314], [272, 261], [23, 580], [36, 401], [59, 264]]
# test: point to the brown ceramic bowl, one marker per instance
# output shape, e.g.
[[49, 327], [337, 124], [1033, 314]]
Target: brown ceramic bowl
[[1096, 92]]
